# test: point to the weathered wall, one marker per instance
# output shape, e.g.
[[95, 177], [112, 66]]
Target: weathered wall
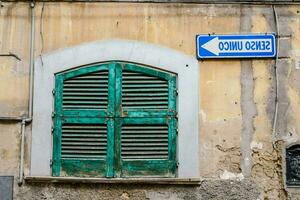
[[210, 189], [237, 97]]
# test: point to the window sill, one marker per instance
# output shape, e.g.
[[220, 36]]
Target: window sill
[[161, 181]]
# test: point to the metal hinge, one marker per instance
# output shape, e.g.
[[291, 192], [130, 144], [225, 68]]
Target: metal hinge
[[53, 114], [52, 130], [51, 162], [176, 92], [53, 91], [177, 164]]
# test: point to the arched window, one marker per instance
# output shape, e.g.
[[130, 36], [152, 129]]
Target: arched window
[[115, 119], [73, 67]]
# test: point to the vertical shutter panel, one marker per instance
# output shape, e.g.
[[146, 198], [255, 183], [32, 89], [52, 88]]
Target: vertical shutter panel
[[82, 136], [145, 130]]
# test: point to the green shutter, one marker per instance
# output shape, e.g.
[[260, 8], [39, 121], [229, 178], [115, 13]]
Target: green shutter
[[81, 129], [115, 120], [148, 109]]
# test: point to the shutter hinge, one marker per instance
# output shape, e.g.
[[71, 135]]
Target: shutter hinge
[[176, 92], [53, 91], [52, 130], [177, 164], [51, 162], [53, 114]]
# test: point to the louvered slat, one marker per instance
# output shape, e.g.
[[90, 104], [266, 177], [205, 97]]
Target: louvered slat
[[144, 142], [142, 91], [88, 91], [84, 141]]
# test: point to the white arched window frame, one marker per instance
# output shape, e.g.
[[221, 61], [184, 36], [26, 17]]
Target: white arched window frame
[[184, 66]]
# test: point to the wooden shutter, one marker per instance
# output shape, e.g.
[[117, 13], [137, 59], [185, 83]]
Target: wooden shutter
[[148, 122], [81, 129], [115, 120]]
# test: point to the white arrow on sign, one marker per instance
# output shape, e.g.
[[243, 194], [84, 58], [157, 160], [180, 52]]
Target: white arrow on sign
[[241, 45], [212, 46]]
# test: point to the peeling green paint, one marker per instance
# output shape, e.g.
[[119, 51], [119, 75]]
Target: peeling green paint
[[114, 117]]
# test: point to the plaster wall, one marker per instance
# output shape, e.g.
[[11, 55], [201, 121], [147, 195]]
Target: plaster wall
[[230, 131]]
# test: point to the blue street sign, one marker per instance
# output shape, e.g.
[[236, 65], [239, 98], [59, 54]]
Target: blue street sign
[[236, 46]]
